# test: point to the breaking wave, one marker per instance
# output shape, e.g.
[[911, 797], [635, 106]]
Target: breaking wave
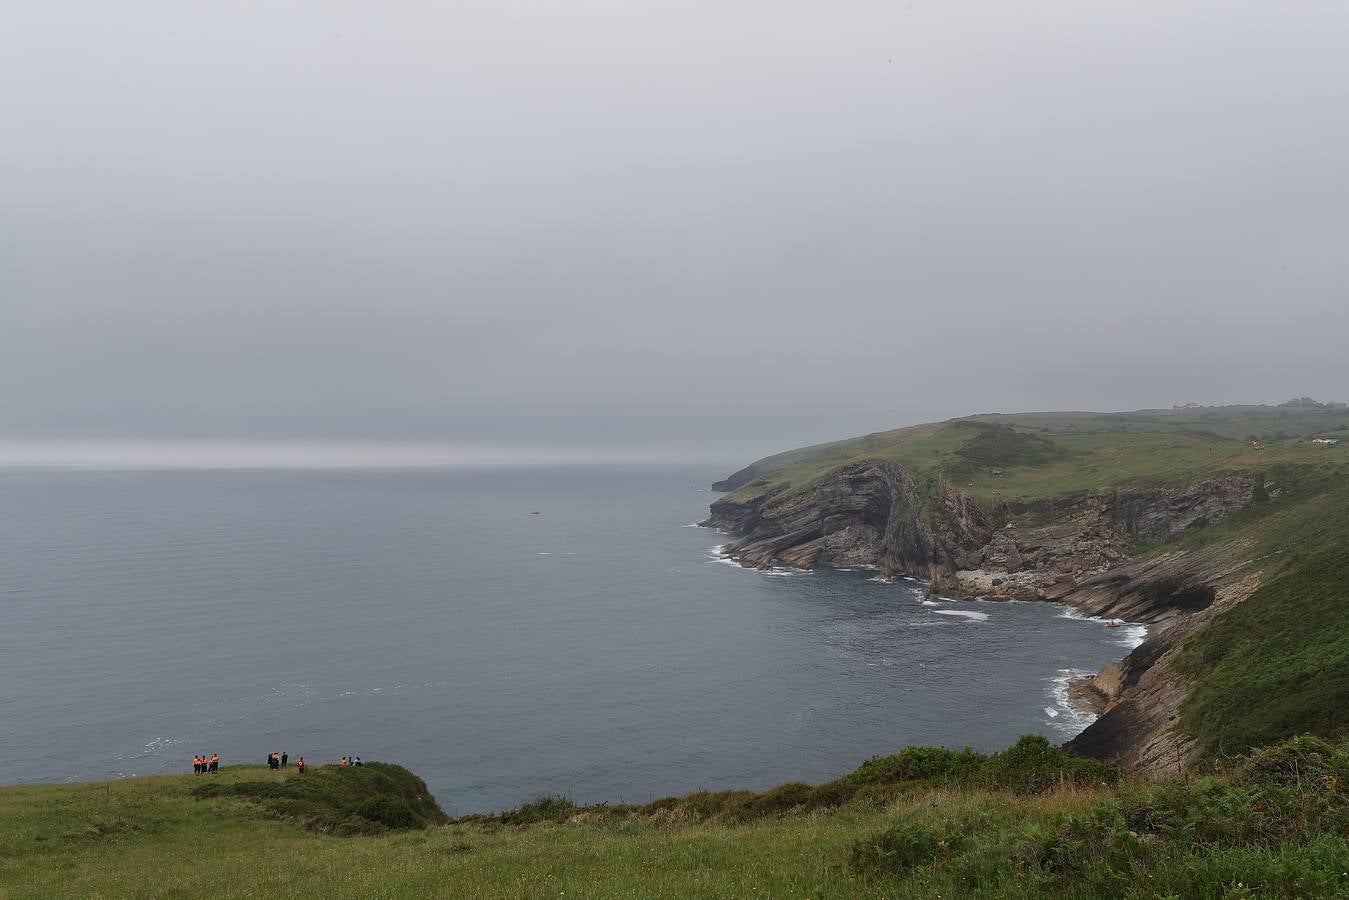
[[964, 613], [1066, 719], [1128, 635]]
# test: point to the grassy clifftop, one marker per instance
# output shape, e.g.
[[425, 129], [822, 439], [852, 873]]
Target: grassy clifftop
[[1046, 454], [1028, 822]]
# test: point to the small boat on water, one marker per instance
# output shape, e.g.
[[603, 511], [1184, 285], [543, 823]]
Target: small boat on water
[[1114, 623]]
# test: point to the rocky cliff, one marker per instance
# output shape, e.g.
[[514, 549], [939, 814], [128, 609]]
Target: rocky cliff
[[864, 513], [1071, 548], [871, 512], [1139, 697]]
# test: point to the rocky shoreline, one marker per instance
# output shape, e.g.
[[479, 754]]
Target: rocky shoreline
[[1071, 549]]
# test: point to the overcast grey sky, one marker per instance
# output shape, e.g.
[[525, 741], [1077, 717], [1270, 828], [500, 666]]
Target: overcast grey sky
[[718, 229]]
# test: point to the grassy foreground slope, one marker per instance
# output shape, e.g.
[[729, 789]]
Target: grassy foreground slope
[[1028, 822]]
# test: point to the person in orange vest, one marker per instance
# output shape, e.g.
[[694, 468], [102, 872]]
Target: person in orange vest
[[196, 765], [343, 762], [215, 763]]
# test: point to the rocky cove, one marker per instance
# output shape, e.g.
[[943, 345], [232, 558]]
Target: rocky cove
[[1072, 549]]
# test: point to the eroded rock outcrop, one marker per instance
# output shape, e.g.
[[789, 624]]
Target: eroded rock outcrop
[[863, 513], [1089, 534], [869, 513], [1139, 698]]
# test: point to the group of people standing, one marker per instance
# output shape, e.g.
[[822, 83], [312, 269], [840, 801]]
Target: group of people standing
[[203, 764], [282, 760]]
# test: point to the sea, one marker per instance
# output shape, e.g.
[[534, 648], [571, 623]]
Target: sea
[[505, 633]]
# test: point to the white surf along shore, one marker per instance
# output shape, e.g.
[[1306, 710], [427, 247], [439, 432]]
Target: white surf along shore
[[1066, 718]]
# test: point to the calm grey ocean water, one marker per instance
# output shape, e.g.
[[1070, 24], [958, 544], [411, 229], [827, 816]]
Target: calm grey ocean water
[[427, 617]]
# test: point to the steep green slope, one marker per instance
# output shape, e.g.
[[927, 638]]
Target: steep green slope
[[1278, 664]]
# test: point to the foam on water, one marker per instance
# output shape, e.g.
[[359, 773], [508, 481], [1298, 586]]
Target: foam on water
[[1064, 717], [1128, 635], [964, 613], [718, 554]]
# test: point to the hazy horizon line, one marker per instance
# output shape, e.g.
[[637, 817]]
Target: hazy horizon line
[[330, 454]]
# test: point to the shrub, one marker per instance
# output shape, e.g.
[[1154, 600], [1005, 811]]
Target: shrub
[[910, 843], [391, 812], [1034, 764], [919, 764], [366, 799], [541, 809], [780, 799], [1288, 795]]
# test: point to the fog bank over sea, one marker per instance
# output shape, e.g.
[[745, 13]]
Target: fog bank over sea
[[316, 454]]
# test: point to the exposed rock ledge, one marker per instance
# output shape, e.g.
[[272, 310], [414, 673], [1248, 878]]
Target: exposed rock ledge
[[869, 513]]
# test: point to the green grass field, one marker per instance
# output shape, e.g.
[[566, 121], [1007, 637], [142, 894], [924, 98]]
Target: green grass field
[[1082, 451], [1031, 822]]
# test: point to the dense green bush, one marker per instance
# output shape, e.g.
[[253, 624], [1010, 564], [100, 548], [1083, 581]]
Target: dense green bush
[[1274, 824], [910, 843], [541, 809], [919, 764], [368, 799], [1034, 764]]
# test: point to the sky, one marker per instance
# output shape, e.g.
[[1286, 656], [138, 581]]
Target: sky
[[638, 229]]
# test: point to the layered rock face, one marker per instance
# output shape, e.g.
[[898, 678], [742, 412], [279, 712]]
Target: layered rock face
[[1156, 516], [1090, 535], [1139, 697], [864, 513], [869, 513]]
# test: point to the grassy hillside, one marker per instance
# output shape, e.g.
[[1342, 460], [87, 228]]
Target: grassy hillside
[[1278, 664], [1029, 822], [1044, 454]]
